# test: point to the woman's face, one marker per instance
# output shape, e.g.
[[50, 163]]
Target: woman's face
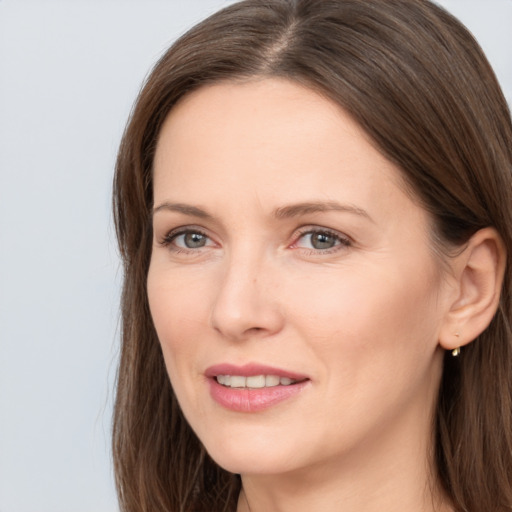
[[287, 255]]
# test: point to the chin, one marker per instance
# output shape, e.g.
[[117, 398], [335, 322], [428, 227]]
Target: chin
[[243, 466], [252, 457]]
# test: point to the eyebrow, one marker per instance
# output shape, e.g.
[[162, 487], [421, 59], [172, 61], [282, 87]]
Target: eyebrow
[[186, 209], [284, 212], [298, 209]]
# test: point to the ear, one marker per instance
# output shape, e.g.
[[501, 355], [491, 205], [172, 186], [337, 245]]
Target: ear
[[477, 277]]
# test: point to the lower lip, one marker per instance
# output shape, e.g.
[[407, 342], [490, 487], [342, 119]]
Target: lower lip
[[252, 400]]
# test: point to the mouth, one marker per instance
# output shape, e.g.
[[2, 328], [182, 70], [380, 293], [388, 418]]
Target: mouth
[[253, 387], [255, 381]]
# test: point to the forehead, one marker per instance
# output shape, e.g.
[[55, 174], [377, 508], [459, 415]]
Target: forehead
[[269, 138]]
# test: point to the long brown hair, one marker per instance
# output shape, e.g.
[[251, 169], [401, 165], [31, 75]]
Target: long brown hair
[[417, 82]]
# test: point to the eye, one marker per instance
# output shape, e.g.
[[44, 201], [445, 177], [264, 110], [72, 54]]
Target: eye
[[191, 240], [320, 240], [187, 239]]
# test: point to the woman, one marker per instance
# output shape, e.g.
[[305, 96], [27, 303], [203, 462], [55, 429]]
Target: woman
[[312, 201]]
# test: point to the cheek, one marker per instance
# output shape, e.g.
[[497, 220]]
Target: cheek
[[382, 309], [180, 300], [179, 316], [372, 337], [177, 292], [179, 309]]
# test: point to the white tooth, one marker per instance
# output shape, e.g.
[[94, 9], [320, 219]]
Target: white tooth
[[221, 379], [271, 381], [237, 381], [227, 380], [256, 381], [285, 381]]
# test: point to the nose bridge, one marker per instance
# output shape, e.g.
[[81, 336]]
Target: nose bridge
[[245, 304]]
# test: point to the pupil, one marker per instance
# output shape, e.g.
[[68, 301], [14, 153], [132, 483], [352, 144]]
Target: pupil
[[322, 240], [194, 240]]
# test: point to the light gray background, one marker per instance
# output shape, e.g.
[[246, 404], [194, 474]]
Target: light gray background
[[69, 71]]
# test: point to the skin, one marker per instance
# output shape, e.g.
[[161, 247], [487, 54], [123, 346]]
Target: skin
[[362, 319]]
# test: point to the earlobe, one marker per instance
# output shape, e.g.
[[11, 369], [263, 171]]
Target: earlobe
[[478, 273]]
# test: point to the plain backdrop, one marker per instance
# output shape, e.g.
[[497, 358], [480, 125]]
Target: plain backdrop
[[69, 72]]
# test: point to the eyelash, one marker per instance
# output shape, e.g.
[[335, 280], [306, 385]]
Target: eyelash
[[170, 237], [341, 241]]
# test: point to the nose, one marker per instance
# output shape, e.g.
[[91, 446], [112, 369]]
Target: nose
[[246, 304]]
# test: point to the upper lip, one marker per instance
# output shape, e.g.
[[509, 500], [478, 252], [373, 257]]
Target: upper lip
[[250, 370]]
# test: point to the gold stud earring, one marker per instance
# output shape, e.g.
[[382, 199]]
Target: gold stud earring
[[456, 351]]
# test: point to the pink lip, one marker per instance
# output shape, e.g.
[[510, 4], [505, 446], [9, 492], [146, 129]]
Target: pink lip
[[252, 400]]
